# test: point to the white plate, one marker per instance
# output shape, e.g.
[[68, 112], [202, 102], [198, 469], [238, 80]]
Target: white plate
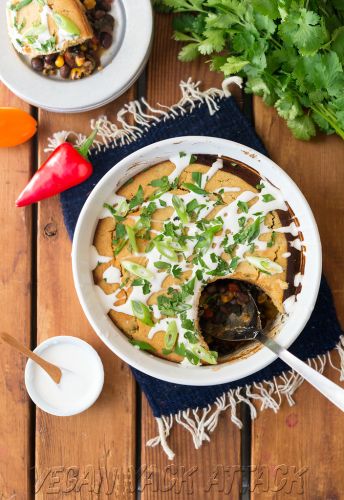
[[115, 339], [123, 63]]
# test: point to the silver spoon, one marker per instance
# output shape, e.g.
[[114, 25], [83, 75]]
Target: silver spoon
[[246, 325]]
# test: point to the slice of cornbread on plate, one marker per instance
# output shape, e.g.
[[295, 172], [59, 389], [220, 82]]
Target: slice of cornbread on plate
[[41, 27]]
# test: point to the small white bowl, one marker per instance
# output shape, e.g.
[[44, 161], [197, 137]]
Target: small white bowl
[[51, 397], [115, 339]]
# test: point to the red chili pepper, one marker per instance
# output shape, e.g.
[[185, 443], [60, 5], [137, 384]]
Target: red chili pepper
[[66, 167]]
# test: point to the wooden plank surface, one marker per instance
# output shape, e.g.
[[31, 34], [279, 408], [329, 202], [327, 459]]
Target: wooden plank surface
[[222, 454], [15, 299], [91, 455], [308, 436]]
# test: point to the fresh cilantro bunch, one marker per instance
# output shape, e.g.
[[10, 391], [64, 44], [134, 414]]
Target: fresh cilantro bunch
[[290, 52]]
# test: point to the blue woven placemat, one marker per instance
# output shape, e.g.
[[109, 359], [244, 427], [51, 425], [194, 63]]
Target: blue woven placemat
[[322, 332]]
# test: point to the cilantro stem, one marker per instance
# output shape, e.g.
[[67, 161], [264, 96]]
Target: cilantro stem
[[329, 118]]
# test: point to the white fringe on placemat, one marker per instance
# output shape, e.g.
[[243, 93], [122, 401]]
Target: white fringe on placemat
[[136, 117], [268, 394]]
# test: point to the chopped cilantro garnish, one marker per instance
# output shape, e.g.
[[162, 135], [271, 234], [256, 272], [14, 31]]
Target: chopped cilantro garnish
[[242, 221], [191, 337], [163, 185], [137, 199], [193, 159], [143, 346], [120, 231], [180, 350], [174, 302], [243, 206], [224, 267], [194, 360], [194, 188], [272, 239], [268, 197], [146, 286], [197, 178], [165, 266], [250, 232]]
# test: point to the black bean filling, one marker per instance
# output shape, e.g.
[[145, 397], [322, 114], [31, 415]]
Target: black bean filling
[[223, 297]]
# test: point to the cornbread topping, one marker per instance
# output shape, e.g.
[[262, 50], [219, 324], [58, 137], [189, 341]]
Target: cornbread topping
[[180, 225]]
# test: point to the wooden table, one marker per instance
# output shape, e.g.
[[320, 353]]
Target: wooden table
[[101, 453]]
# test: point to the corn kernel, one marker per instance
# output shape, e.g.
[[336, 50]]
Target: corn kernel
[[59, 61], [79, 60], [75, 73], [89, 4], [261, 298]]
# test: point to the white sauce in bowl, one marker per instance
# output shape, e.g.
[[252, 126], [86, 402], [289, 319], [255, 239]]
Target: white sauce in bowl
[[82, 376]]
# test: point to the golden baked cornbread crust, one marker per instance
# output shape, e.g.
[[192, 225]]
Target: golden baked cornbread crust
[[179, 225]]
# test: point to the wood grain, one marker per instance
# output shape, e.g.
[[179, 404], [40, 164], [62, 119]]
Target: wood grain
[[163, 77], [309, 435], [209, 473], [15, 299], [89, 455]]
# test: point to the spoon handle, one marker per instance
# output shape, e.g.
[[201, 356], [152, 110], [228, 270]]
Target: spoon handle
[[329, 389], [52, 370]]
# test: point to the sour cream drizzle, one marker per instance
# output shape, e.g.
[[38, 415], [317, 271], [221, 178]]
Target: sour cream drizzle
[[231, 217]]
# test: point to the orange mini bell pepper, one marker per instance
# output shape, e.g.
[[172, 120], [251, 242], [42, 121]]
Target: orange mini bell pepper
[[16, 127]]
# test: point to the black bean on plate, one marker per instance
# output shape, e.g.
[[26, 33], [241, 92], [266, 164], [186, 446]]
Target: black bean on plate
[[99, 14], [50, 58], [37, 63], [105, 40], [109, 19], [105, 5], [65, 71], [69, 57]]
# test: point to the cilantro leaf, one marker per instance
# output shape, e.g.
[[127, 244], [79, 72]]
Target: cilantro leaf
[[290, 53], [137, 199]]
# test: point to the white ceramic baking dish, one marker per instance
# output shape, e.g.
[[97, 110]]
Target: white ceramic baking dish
[[115, 339]]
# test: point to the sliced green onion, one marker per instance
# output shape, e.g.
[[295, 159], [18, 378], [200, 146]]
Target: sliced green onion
[[143, 346], [207, 356], [165, 249], [194, 188], [142, 312], [122, 208], [132, 238], [20, 5], [66, 24], [264, 264], [119, 247], [180, 208], [204, 241], [138, 270], [171, 335]]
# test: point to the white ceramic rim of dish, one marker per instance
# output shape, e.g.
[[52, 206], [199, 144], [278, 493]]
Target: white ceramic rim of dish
[[92, 396], [115, 339], [88, 93]]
